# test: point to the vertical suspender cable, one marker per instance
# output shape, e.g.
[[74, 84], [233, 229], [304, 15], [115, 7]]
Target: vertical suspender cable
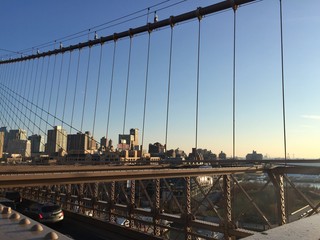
[[52, 80], [145, 92], [33, 92], [169, 86], [97, 90], [27, 92], [28, 99], [67, 86], [25, 89], [44, 94], [234, 83], [38, 92], [283, 88], [20, 90], [75, 90], [198, 81], [111, 85], [85, 88], [283, 109], [127, 87], [58, 91]]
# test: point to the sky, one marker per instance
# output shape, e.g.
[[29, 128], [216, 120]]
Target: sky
[[259, 114]]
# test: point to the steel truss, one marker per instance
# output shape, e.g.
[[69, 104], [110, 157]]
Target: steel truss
[[205, 206]]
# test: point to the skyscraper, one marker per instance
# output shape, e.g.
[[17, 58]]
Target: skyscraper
[[1, 143], [56, 141], [37, 143]]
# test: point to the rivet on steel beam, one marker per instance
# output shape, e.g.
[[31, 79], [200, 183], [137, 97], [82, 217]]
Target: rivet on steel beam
[[37, 228], [51, 236], [6, 210], [15, 216], [25, 221]]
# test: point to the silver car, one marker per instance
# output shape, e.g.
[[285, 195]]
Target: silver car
[[46, 213]]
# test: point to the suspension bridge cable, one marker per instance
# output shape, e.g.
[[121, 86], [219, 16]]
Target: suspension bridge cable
[[283, 87], [44, 91], [127, 87], [58, 91], [20, 89], [66, 90], [111, 86], [145, 91], [34, 89], [25, 105], [234, 83], [28, 83], [51, 87], [75, 89], [97, 90], [32, 104], [169, 86], [84, 32], [198, 80], [85, 89], [39, 89]]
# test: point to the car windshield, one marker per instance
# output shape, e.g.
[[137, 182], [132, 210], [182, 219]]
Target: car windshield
[[52, 208]]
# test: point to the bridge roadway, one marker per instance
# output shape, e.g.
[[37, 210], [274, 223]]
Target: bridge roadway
[[35, 175], [39, 175]]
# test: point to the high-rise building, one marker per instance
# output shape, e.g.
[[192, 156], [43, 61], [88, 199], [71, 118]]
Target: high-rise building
[[129, 141], [5, 141], [18, 146], [77, 143], [156, 149], [81, 143], [19, 134], [37, 143], [56, 141], [1, 143]]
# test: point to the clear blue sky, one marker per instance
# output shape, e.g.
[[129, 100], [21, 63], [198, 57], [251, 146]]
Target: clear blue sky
[[259, 125]]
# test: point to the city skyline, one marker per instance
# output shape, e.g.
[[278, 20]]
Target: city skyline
[[259, 123]]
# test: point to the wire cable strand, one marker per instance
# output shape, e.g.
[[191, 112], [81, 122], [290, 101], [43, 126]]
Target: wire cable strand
[[145, 92], [111, 86], [75, 90], [169, 86], [97, 91], [198, 83], [127, 87]]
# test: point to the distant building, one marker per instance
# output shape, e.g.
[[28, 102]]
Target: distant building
[[1, 143], [56, 141], [81, 143], [17, 146], [254, 156], [37, 143], [129, 141], [156, 149], [222, 156], [19, 134], [103, 143], [5, 141], [196, 155]]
